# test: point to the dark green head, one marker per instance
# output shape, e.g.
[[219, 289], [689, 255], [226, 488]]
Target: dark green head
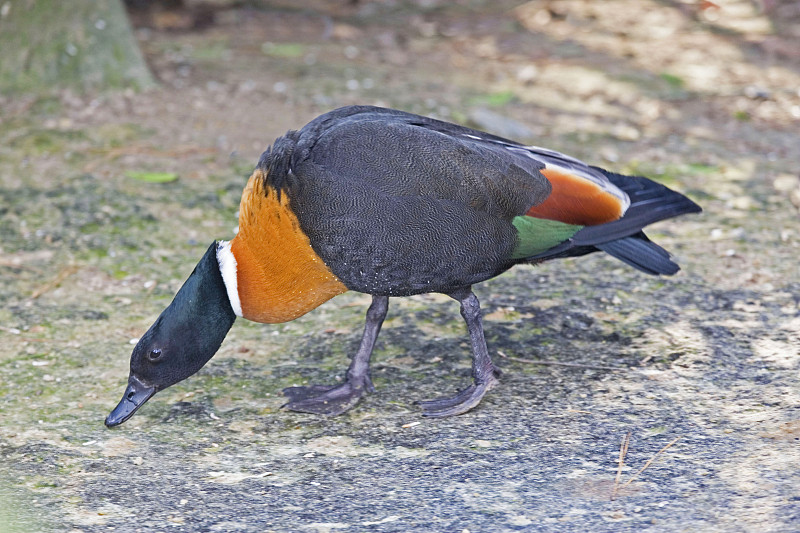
[[186, 335]]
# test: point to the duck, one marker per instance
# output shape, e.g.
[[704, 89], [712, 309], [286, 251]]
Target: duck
[[393, 204]]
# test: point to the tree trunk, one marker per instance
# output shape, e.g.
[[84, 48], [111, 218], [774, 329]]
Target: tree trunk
[[83, 44]]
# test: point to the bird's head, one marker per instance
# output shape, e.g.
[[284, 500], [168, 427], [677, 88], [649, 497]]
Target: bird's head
[[186, 335]]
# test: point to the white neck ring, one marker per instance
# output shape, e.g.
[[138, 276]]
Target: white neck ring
[[227, 268]]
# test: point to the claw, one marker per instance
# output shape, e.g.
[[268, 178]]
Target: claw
[[335, 400], [484, 373], [325, 400], [461, 402]]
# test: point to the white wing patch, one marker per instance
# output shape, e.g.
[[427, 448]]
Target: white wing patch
[[569, 165], [553, 160]]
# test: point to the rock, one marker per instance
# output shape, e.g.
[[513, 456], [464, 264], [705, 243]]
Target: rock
[[527, 74], [794, 197], [786, 183], [757, 93], [742, 203], [500, 125]]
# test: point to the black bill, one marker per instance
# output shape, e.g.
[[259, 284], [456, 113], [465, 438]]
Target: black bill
[[135, 396]]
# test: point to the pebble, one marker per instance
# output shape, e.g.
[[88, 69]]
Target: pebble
[[528, 74], [351, 52], [743, 203], [786, 182], [757, 93], [738, 233], [794, 197], [500, 125]]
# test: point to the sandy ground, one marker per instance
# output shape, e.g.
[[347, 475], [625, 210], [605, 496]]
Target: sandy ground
[[695, 376]]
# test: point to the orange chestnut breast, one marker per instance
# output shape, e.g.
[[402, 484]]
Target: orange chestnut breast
[[279, 276]]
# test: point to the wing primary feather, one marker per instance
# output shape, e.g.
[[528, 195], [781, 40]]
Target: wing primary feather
[[624, 238]]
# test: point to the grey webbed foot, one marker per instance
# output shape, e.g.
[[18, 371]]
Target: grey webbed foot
[[461, 402], [326, 400], [335, 400], [483, 371]]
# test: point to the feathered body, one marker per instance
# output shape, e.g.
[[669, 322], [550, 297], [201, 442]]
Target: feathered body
[[394, 204]]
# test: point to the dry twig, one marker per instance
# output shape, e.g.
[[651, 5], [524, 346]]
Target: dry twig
[[648, 463], [110, 154], [55, 282], [558, 363], [623, 451]]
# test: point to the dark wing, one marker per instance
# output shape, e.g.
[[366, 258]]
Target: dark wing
[[395, 207], [396, 203], [431, 157]]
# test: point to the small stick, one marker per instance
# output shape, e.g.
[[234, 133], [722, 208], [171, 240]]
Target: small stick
[[623, 451], [114, 153], [16, 264], [55, 282], [558, 363], [651, 460]]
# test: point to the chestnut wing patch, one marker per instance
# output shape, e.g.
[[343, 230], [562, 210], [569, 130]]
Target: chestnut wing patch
[[577, 200]]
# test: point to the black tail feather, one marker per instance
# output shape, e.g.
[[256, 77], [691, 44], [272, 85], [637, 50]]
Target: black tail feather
[[642, 254], [650, 203], [623, 238]]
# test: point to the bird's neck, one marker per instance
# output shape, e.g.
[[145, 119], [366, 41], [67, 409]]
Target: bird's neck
[[271, 272]]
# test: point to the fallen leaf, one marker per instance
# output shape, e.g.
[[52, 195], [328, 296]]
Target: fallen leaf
[[152, 177]]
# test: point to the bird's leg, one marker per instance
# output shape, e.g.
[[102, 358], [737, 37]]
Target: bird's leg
[[335, 400], [483, 371]]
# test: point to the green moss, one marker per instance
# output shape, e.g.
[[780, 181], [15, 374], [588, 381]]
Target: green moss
[[152, 177], [211, 51], [114, 135], [73, 51], [672, 173], [496, 99], [284, 50], [702, 168], [675, 82], [92, 227], [17, 515], [44, 483], [43, 141], [45, 105]]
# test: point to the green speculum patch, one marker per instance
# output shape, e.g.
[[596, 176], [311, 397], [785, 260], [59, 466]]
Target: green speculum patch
[[537, 235]]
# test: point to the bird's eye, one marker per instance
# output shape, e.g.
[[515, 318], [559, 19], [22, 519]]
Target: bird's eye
[[154, 355]]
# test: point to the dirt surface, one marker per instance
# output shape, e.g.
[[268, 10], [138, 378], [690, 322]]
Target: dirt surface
[[699, 371]]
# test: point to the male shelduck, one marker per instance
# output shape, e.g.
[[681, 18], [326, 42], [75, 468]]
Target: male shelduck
[[392, 204]]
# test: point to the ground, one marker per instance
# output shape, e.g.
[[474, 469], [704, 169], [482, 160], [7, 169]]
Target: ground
[[626, 403]]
